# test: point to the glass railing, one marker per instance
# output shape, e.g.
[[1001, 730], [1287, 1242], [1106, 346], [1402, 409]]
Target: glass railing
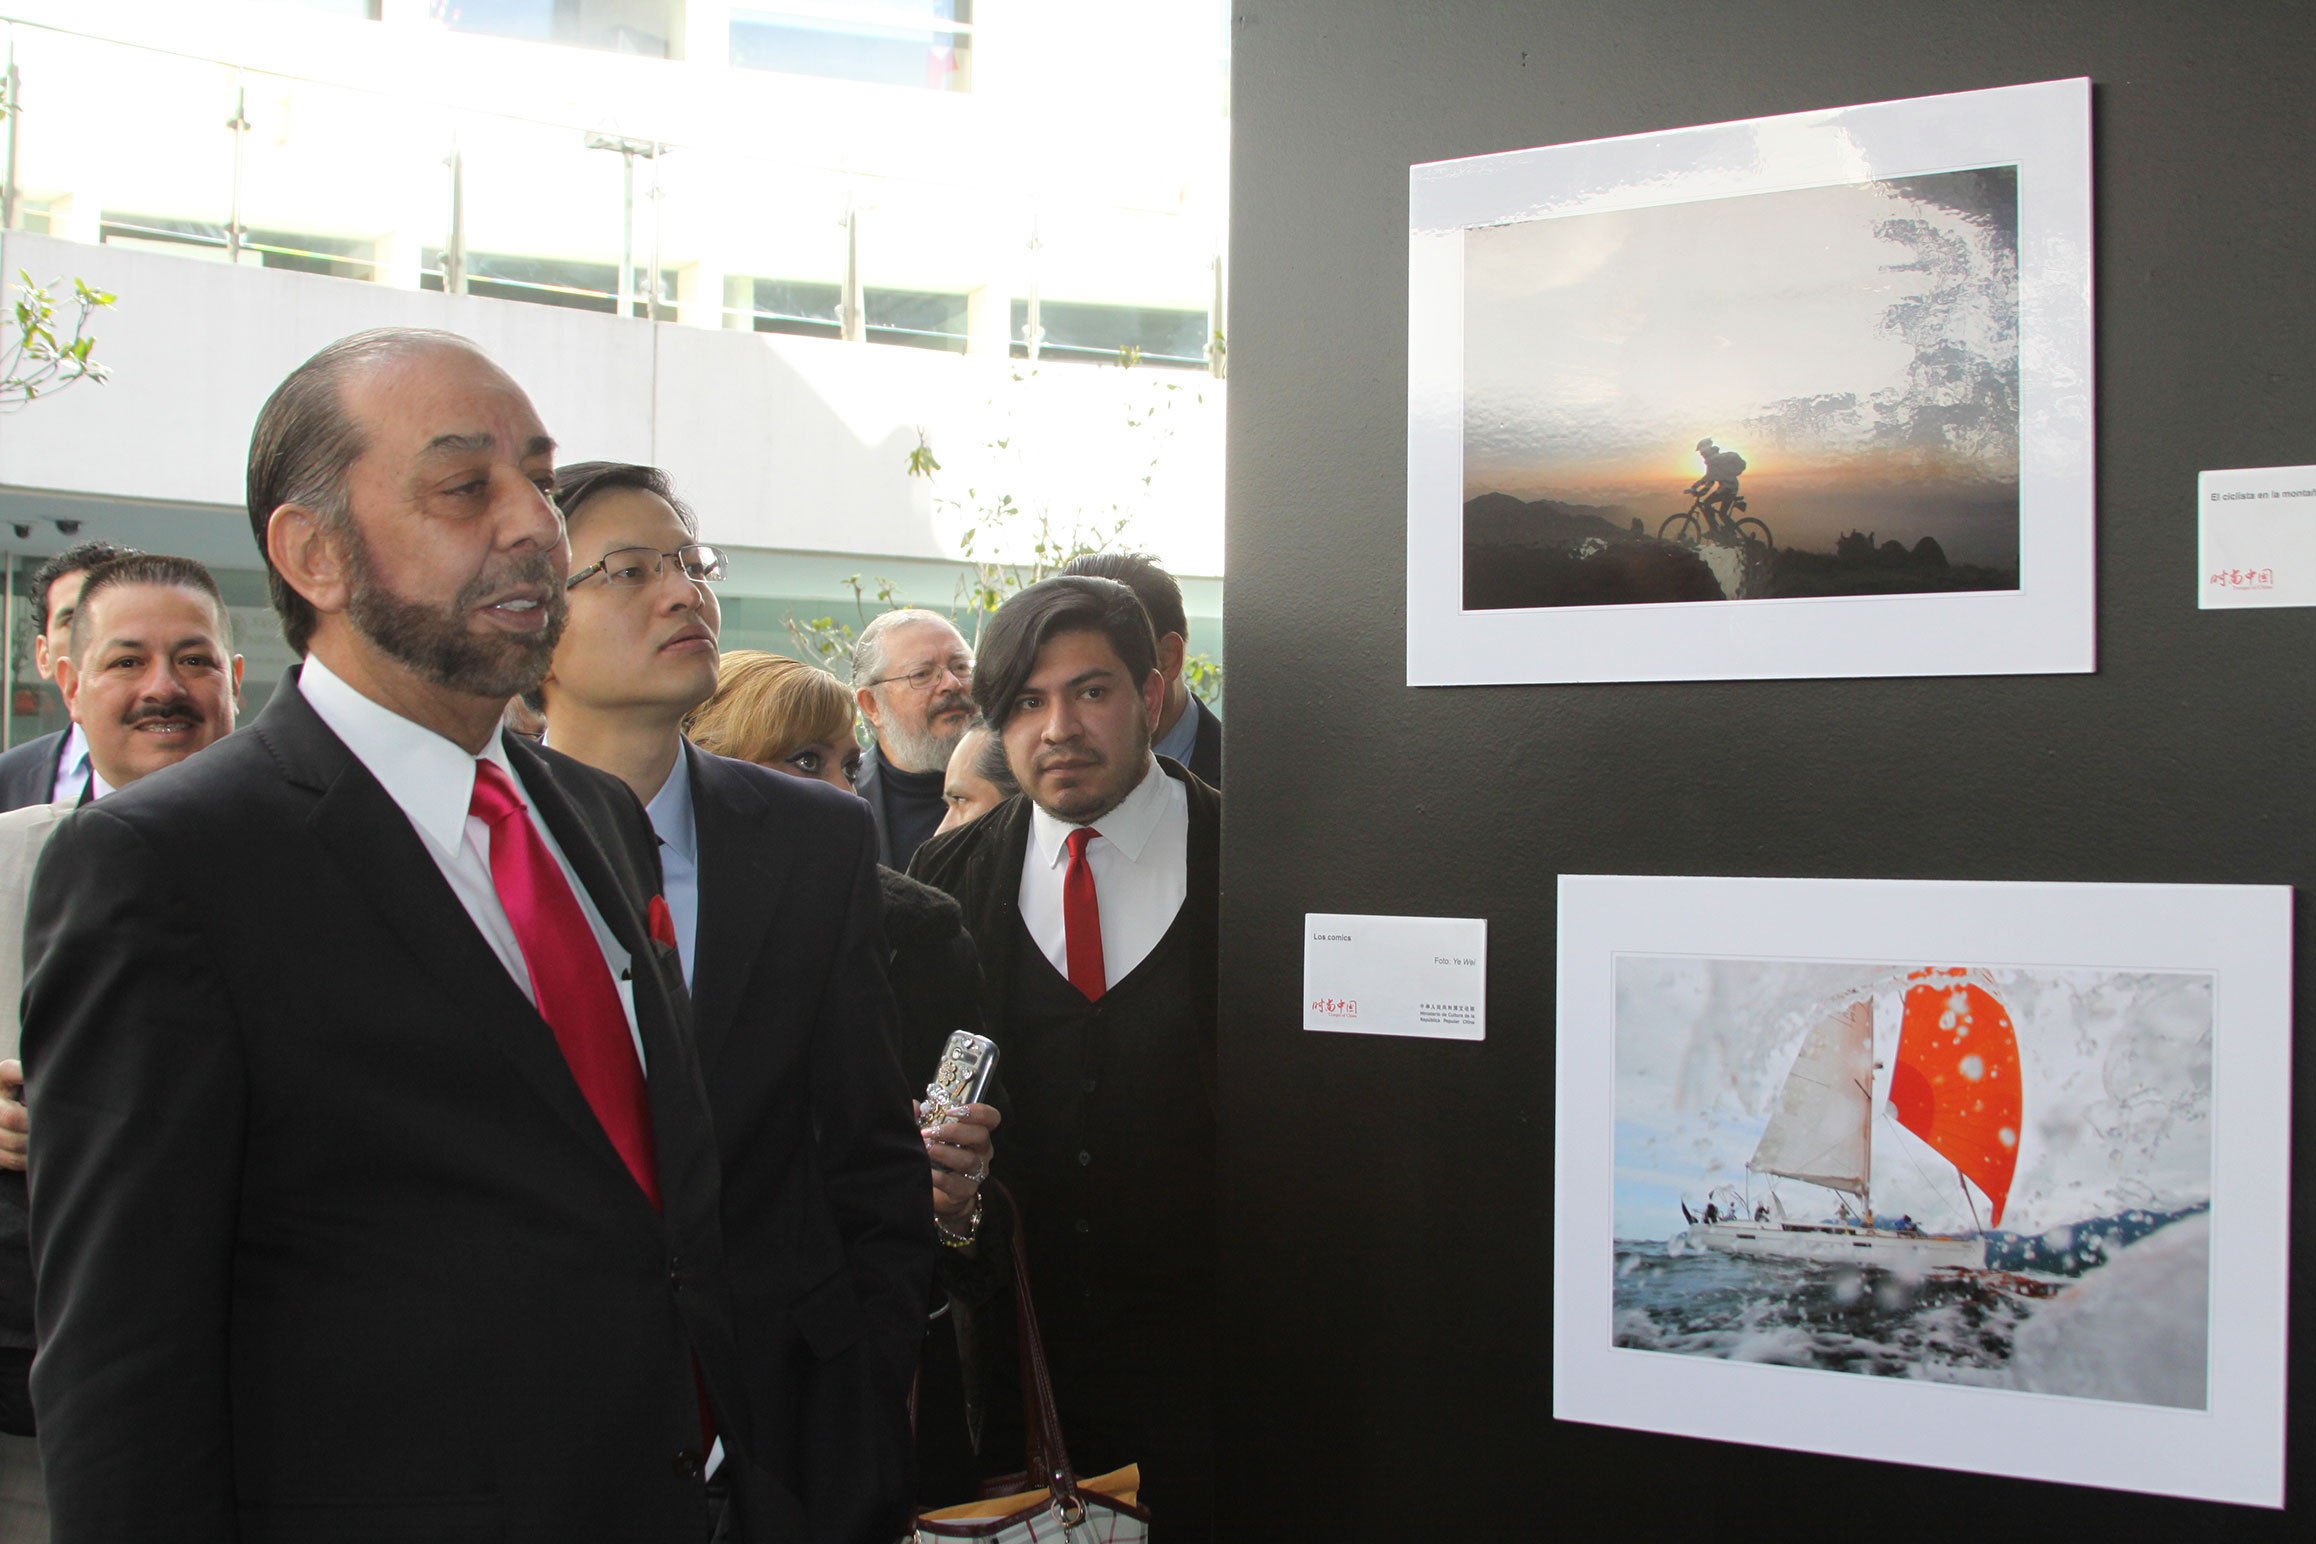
[[759, 213]]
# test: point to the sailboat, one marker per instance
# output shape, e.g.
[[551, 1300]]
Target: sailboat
[[1956, 1086]]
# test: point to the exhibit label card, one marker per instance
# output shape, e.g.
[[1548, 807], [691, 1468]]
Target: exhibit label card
[[2258, 544], [1424, 976]]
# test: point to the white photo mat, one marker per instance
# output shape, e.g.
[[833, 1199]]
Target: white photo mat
[[2233, 1450], [2046, 625]]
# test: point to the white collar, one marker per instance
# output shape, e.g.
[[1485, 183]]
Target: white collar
[[670, 810], [97, 786], [429, 777], [1127, 828], [74, 748]]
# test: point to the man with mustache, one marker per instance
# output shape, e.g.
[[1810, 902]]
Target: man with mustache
[[149, 674], [374, 1190], [1094, 902], [913, 678]]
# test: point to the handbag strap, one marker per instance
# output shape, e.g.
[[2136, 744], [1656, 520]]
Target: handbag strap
[[1049, 1459]]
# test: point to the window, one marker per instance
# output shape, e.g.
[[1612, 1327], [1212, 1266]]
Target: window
[[917, 318], [932, 319], [615, 26], [807, 310], [543, 281], [299, 251], [358, 10], [1077, 329], [922, 43]]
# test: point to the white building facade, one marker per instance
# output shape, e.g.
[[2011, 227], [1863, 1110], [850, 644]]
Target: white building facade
[[773, 249]]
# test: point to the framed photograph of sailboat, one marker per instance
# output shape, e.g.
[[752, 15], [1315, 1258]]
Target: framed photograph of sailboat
[[1990, 1177], [1798, 396]]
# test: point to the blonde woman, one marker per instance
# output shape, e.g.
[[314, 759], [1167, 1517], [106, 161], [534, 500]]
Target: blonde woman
[[780, 713]]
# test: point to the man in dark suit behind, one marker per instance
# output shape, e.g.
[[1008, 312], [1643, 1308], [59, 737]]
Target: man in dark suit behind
[[53, 766], [1187, 732], [374, 1195]]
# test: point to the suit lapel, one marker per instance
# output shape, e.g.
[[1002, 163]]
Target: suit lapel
[[366, 831], [368, 834], [31, 777], [585, 850], [1008, 852], [742, 867], [671, 1067]]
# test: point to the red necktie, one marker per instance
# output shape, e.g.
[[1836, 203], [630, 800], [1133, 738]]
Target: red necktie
[[575, 992], [1082, 919]]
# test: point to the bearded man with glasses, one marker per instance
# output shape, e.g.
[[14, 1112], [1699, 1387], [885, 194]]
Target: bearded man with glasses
[[913, 677]]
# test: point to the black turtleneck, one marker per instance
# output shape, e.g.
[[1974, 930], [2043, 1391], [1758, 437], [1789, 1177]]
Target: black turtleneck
[[913, 808]]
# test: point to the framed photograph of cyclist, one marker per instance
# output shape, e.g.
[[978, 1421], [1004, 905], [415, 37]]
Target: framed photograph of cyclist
[[1796, 396]]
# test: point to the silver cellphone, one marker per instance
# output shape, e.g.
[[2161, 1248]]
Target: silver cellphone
[[966, 1063]]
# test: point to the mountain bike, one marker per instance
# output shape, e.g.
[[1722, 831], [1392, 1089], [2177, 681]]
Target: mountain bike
[[1692, 527]]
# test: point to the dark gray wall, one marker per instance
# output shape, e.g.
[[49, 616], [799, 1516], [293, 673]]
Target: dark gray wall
[[1387, 1230]]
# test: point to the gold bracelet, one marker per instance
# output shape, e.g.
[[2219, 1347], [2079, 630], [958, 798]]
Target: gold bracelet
[[964, 1240]]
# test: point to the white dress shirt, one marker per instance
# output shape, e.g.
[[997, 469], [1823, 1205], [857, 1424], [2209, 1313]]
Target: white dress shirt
[[671, 815], [73, 768], [432, 781], [1140, 856]]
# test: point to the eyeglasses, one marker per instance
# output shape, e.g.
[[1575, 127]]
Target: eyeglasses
[[630, 568], [925, 677]]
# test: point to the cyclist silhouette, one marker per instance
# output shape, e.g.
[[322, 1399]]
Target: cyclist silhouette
[[1722, 469]]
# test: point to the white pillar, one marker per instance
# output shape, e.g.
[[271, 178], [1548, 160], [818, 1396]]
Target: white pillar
[[398, 259], [740, 302], [988, 320], [700, 31], [77, 216], [699, 291]]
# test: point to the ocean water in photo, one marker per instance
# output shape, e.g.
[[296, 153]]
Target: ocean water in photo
[[2116, 1310], [1949, 1326]]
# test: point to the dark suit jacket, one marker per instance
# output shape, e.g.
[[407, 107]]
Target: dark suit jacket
[[28, 772], [329, 1245], [1205, 762], [828, 1218], [871, 787]]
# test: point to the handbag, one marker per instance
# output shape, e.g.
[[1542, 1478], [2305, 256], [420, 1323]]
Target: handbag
[[1051, 1505]]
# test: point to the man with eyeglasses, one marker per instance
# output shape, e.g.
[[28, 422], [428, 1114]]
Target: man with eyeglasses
[[772, 903], [913, 677]]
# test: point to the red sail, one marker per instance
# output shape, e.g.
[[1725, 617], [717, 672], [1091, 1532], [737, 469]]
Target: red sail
[[1957, 1086]]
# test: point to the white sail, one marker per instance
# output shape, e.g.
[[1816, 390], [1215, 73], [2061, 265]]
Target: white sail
[[1820, 1129]]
